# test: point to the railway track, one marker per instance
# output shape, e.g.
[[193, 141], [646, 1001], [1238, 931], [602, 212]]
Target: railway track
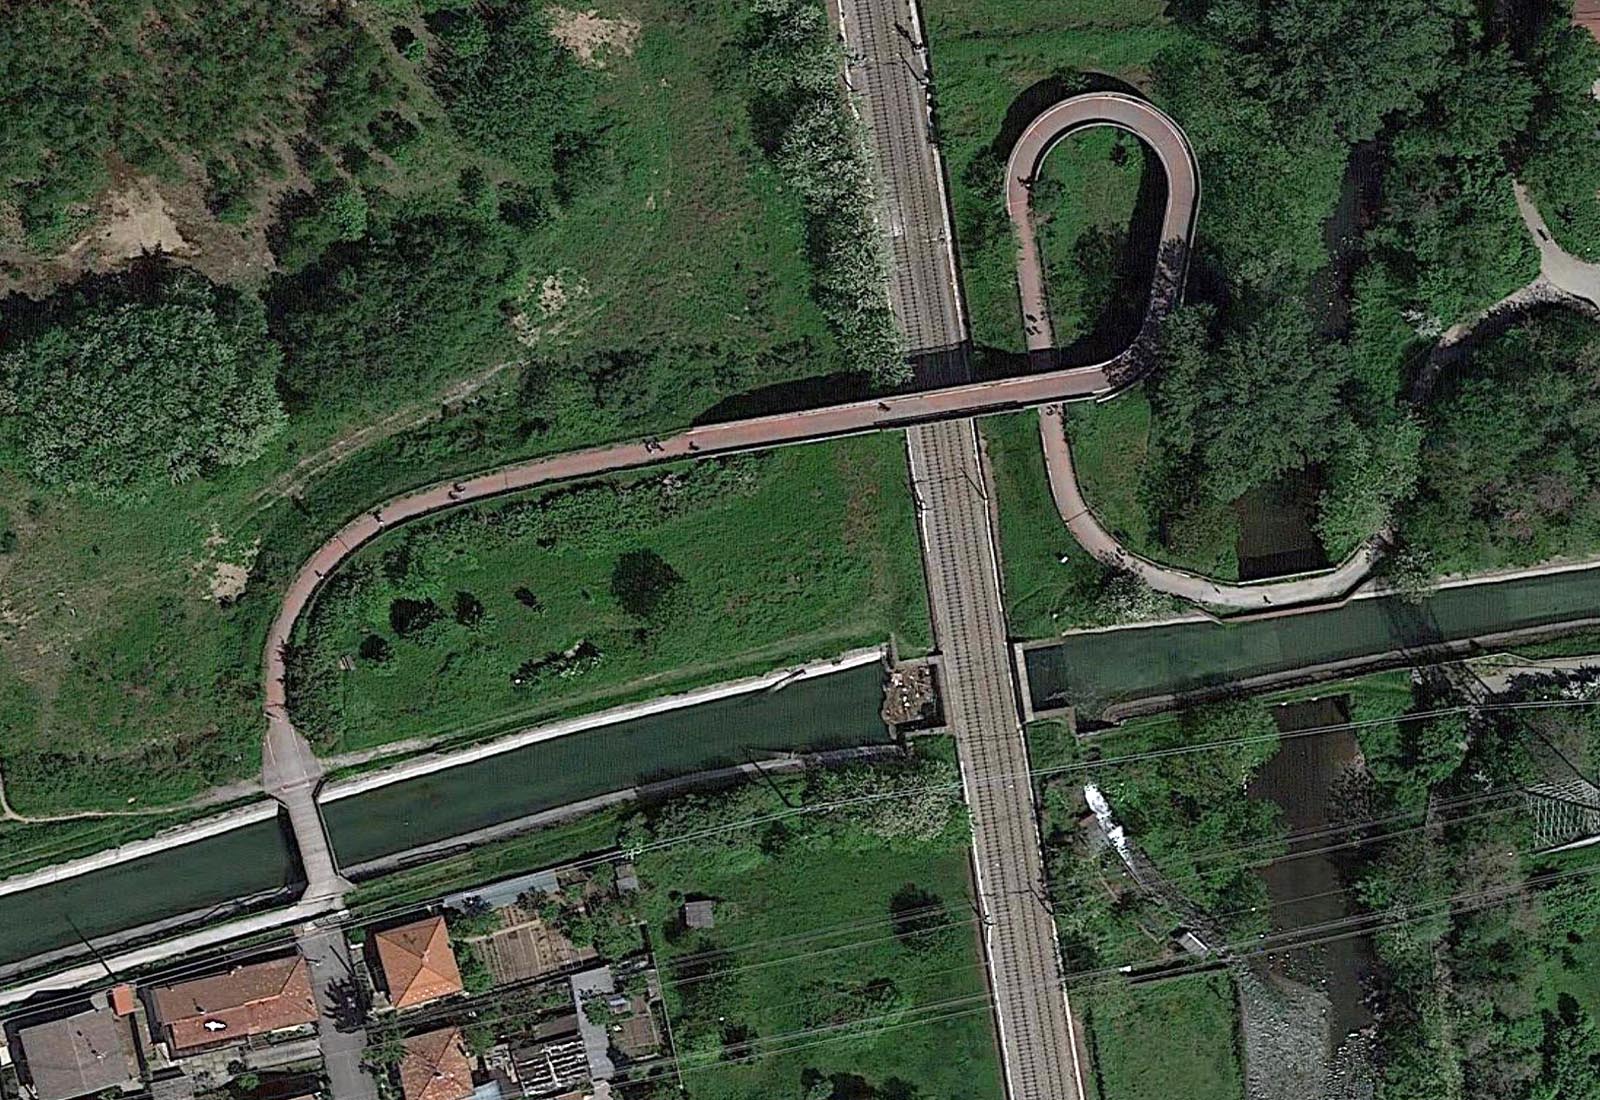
[[1031, 1010], [888, 70]]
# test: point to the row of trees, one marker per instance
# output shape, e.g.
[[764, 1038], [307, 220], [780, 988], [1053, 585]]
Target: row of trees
[[820, 150]]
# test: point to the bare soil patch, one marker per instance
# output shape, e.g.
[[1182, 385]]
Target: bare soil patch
[[590, 36], [137, 221]]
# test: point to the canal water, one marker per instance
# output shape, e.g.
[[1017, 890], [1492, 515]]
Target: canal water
[[837, 710], [252, 861], [1091, 671]]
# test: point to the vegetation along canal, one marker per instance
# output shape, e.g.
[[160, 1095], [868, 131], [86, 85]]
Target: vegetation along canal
[[820, 712]]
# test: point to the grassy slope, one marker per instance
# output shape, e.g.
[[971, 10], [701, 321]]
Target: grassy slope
[[944, 1059], [822, 557], [115, 663], [1095, 199], [1050, 580], [984, 54], [1145, 1039]]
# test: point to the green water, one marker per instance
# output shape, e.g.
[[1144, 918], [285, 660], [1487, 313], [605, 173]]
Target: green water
[[1091, 671], [832, 711], [244, 862]]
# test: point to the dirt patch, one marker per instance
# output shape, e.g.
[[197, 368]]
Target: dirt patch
[[590, 37], [225, 574], [137, 221], [139, 214], [547, 306]]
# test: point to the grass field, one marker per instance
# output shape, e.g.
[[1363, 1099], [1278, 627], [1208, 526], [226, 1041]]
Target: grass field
[[806, 938], [985, 55], [799, 553], [1111, 452], [129, 662], [1083, 203], [1050, 581], [1173, 1039]]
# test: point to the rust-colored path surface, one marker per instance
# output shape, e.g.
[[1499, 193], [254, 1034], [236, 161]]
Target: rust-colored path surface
[[1171, 147]]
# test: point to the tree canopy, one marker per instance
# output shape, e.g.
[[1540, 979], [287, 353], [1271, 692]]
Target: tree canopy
[[139, 384]]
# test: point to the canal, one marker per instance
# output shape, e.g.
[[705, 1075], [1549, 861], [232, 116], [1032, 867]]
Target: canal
[[1091, 671], [833, 710], [215, 873], [837, 710]]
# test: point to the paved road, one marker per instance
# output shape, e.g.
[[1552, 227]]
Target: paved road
[[328, 953], [290, 773], [1558, 267], [887, 69], [1039, 1049]]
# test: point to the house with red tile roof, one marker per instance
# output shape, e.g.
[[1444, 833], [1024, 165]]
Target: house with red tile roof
[[436, 1066], [417, 962], [256, 999]]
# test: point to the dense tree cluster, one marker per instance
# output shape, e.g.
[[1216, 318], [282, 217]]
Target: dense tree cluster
[[1477, 949], [1510, 470], [132, 385], [1429, 107], [151, 85]]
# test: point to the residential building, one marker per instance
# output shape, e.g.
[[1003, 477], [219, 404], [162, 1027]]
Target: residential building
[[417, 962], [436, 1066], [89, 1052], [247, 1001]]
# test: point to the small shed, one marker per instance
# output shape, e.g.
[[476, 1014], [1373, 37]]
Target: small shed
[[699, 914]]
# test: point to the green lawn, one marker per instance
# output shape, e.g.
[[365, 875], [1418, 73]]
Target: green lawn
[[900, 1010], [984, 55], [1083, 203], [1111, 452], [1164, 1041], [1051, 583], [594, 593], [124, 674]]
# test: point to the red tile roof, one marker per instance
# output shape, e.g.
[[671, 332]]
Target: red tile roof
[[436, 1066], [122, 999], [418, 964], [247, 1000]]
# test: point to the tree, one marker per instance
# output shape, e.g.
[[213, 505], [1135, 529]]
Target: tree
[[416, 300], [1571, 1068], [1367, 478], [642, 582], [1262, 402], [129, 386]]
